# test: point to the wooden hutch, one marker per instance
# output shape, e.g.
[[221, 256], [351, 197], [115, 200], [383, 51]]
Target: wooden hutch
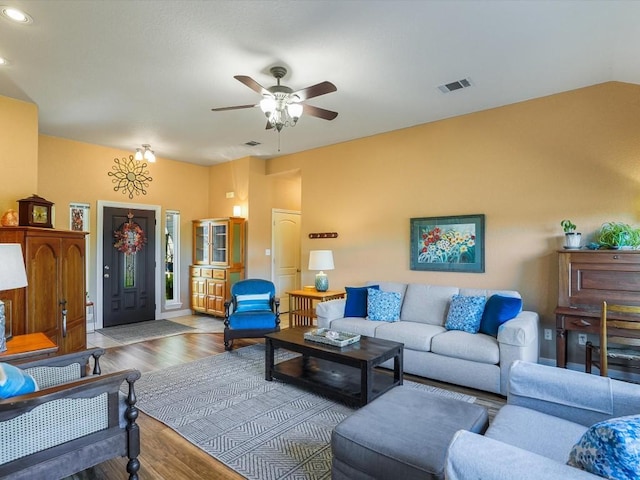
[[587, 278], [218, 262]]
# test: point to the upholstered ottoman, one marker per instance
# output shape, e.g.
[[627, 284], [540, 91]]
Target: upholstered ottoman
[[404, 434]]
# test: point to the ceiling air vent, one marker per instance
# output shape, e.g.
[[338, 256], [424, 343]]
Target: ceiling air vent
[[457, 85], [252, 143]]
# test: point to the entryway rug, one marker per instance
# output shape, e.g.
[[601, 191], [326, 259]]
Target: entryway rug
[[262, 430], [141, 331]]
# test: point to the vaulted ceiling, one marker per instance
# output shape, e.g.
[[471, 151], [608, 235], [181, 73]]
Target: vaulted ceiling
[[126, 73]]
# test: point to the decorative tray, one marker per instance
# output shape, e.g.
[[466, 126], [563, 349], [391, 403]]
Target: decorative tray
[[331, 337]]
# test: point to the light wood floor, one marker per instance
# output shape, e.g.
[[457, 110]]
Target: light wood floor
[[165, 455]]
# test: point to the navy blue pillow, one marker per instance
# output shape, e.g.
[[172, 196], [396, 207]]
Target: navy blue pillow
[[498, 310], [356, 305]]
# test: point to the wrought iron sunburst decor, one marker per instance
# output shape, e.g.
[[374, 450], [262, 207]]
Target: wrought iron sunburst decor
[[130, 175]]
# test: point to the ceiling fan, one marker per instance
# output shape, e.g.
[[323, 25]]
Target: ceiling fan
[[283, 106]]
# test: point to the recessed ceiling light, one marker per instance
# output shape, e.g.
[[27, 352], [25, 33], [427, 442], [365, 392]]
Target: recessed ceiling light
[[15, 15]]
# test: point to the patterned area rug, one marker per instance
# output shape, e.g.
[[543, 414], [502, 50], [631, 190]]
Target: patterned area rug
[[139, 332], [262, 430]]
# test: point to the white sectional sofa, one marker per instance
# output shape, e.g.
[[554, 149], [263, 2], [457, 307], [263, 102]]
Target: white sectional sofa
[[430, 350]]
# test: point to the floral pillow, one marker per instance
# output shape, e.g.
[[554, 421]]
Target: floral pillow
[[610, 449], [383, 306], [465, 313]]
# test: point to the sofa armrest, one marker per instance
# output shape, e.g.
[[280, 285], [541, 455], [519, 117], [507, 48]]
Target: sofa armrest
[[494, 460], [521, 330], [329, 311], [575, 396]]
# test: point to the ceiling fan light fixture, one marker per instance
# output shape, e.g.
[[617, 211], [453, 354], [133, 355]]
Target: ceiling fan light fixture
[[295, 111], [268, 105]]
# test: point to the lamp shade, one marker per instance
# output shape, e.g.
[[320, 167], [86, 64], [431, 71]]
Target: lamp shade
[[12, 272], [321, 260]]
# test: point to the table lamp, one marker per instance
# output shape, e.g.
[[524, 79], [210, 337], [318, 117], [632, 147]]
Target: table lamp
[[321, 260], [12, 275]]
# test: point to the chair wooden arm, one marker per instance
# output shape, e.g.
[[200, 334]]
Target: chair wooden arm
[[84, 388], [68, 359]]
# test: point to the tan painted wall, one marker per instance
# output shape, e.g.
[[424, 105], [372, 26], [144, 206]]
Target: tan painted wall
[[525, 166], [71, 171], [18, 152]]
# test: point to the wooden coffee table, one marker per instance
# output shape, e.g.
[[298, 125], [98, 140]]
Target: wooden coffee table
[[345, 373]]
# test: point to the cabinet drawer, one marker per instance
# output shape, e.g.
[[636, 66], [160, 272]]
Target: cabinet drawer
[[206, 272], [195, 271], [219, 274], [606, 257]]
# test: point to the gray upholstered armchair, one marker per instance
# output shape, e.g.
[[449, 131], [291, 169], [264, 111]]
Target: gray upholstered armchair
[[73, 422]]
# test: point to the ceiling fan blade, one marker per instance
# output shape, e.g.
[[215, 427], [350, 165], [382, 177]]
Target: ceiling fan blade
[[319, 112], [252, 84], [237, 107], [315, 91]]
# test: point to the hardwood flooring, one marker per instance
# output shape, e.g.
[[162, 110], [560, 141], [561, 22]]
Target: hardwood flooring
[[165, 455]]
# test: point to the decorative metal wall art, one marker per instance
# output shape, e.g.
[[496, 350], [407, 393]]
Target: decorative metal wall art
[[130, 175]]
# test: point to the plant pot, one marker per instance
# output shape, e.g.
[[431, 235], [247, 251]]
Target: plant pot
[[572, 240]]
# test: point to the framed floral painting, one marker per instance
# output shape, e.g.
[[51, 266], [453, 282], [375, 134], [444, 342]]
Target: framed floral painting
[[448, 244]]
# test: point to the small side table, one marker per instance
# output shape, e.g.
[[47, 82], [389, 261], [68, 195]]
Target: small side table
[[28, 346], [301, 308]]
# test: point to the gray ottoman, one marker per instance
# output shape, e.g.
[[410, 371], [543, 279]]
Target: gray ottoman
[[404, 434]]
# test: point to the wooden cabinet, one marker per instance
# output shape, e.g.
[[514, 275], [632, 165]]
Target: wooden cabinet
[[218, 262], [586, 278], [54, 300]]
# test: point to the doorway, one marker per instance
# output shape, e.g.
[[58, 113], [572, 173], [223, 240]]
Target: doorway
[[128, 288], [285, 258]]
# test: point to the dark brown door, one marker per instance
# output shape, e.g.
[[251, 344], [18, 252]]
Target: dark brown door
[[128, 278]]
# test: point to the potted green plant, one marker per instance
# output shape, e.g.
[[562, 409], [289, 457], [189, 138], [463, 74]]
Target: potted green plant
[[618, 235], [571, 237]]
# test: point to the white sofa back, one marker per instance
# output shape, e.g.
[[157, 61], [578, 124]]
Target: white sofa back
[[430, 303]]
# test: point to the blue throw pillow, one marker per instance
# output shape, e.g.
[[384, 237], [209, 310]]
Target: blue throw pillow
[[610, 449], [498, 310], [253, 302], [465, 313], [356, 305], [383, 306], [14, 381]]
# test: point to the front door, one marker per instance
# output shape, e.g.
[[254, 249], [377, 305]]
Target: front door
[[128, 278]]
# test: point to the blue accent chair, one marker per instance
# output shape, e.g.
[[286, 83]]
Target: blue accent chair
[[252, 311]]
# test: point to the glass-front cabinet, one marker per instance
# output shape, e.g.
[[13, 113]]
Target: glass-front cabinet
[[218, 262]]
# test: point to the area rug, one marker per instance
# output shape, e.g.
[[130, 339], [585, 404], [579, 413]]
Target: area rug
[[139, 332], [262, 430]]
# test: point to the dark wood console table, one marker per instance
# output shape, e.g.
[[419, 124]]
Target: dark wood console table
[[586, 278]]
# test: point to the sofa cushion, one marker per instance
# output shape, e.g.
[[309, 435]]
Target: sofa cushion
[[414, 335], [476, 347], [15, 381], [427, 303], [356, 305], [383, 306], [610, 449], [465, 313], [537, 432], [360, 326], [498, 310]]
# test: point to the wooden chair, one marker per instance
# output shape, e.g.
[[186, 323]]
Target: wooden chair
[[252, 311], [74, 421], [616, 336]]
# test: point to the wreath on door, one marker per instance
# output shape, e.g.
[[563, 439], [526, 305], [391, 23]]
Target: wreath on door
[[130, 237]]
